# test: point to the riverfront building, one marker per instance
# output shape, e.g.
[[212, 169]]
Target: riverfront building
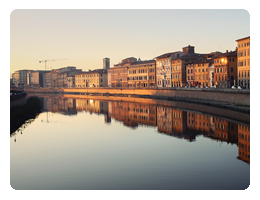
[[225, 69], [20, 78], [164, 68], [141, 74], [171, 68], [243, 62], [201, 68], [117, 75], [57, 78], [179, 69], [94, 78], [36, 78]]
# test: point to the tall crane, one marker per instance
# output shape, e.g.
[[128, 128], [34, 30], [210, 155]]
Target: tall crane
[[50, 61]]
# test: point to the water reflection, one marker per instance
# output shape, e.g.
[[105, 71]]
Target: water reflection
[[175, 122]]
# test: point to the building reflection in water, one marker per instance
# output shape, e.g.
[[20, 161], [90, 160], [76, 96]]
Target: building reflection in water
[[170, 121]]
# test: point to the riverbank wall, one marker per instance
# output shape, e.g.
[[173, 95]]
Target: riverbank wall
[[195, 95]]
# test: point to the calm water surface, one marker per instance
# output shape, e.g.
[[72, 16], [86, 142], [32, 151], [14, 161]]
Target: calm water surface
[[93, 144]]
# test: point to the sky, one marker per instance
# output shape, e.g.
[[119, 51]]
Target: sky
[[83, 37]]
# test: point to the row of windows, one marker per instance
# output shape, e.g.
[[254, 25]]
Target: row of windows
[[223, 78], [137, 78], [137, 71], [190, 78], [243, 53], [89, 75], [202, 70], [89, 80], [219, 60], [244, 63], [168, 81], [175, 76], [204, 77], [244, 44], [221, 69], [80, 86], [189, 71], [244, 73]]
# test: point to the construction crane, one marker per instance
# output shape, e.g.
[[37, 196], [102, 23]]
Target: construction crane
[[50, 61]]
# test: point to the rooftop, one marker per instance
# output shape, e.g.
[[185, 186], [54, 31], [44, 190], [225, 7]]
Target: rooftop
[[227, 54], [192, 56], [166, 55], [96, 71], [243, 39], [143, 62]]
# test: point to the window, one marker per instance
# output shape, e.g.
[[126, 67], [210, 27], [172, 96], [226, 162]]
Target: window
[[231, 69]]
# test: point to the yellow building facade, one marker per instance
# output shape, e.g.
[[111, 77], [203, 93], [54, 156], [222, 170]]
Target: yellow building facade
[[142, 74], [95, 78], [201, 72]]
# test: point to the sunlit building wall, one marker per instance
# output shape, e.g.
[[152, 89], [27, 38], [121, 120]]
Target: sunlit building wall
[[141, 74], [95, 78], [201, 69], [225, 69], [20, 78], [190, 74], [119, 73], [243, 62]]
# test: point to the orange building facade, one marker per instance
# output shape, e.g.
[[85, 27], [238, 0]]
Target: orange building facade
[[243, 62], [225, 69], [201, 72]]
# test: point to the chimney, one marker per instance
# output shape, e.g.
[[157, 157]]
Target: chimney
[[226, 51]]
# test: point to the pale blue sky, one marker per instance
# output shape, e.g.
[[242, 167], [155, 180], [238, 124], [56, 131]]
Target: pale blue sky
[[85, 37]]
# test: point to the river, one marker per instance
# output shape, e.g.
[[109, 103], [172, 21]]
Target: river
[[90, 143]]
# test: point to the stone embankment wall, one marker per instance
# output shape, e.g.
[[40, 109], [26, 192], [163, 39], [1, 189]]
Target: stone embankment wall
[[229, 96]]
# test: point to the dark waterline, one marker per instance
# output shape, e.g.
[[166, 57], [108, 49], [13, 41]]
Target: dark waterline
[[93, 144]]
